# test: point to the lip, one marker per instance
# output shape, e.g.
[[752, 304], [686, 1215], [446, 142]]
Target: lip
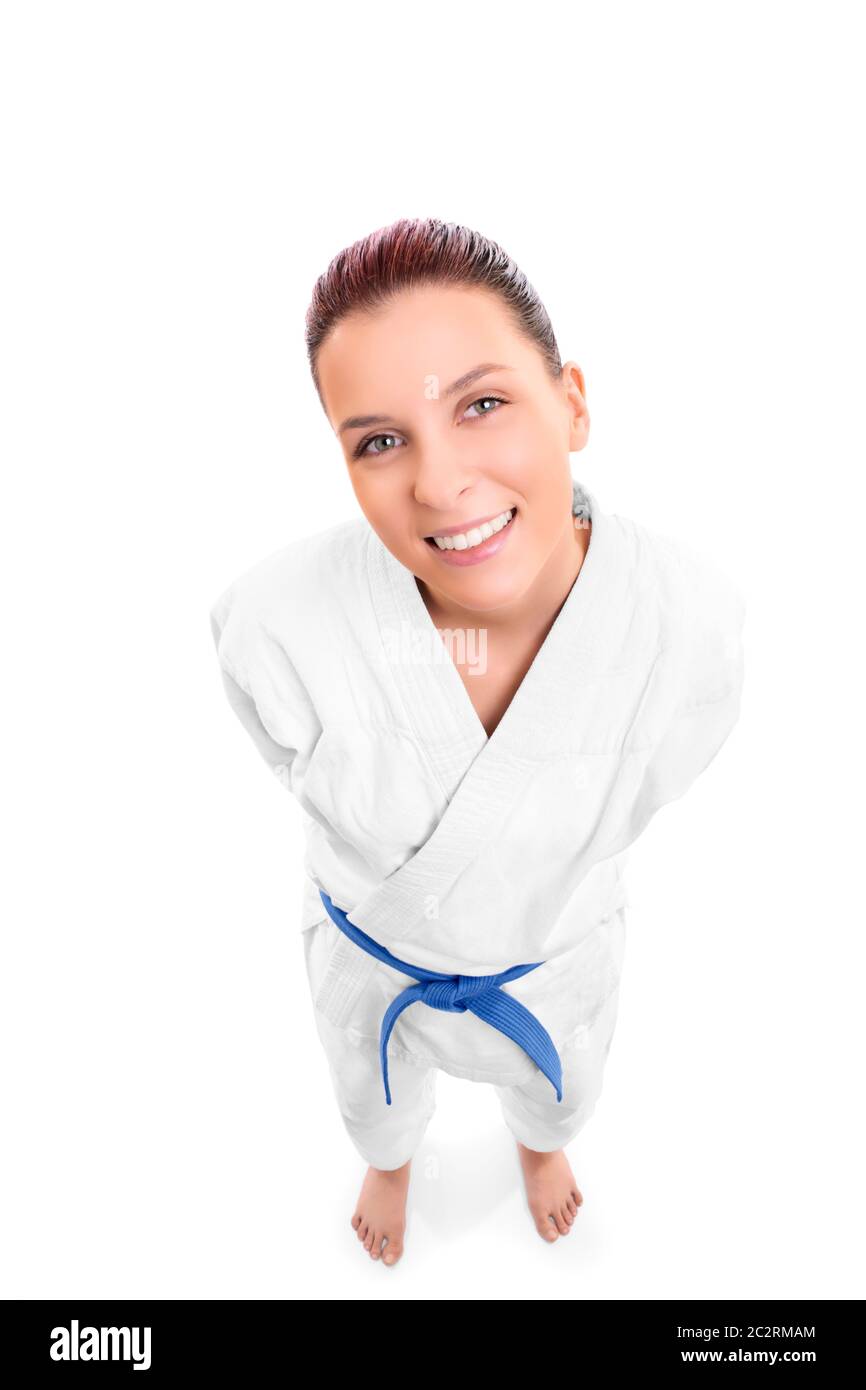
[[468, 525], [478, 553]]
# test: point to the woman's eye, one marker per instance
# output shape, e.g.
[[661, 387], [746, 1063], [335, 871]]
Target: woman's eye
[[365, 445], [481, 399]]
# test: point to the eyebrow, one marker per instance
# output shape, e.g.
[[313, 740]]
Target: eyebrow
[[356, 422]]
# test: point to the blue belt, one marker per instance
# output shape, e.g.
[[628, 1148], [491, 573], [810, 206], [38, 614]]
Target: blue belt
[[454, 994]]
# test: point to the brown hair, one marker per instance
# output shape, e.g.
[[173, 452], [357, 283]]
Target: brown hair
[[416, 251]]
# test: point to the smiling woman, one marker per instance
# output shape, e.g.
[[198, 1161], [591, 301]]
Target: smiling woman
[[466, 824], [404, 329]]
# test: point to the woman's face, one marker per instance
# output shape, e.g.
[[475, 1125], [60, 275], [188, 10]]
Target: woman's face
[[449, 421]]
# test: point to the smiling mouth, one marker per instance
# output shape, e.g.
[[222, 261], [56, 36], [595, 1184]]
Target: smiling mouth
[[473, 535]]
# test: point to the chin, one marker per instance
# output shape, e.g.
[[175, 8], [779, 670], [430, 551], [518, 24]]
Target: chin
[[485, 594]]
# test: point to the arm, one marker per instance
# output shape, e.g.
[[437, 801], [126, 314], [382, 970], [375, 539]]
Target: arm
[[264, 690], [710, 618]]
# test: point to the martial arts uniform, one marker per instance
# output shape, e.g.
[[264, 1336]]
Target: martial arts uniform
[[467, 855]]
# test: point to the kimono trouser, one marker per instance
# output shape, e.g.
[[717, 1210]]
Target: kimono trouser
[[387, 1136]]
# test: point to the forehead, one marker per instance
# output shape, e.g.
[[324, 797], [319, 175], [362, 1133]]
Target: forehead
[[377, 360]]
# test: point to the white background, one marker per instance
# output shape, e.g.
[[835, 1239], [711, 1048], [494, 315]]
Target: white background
[[683, 185]]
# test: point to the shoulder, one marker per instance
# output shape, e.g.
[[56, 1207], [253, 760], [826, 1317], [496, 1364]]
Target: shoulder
[[301, 579], [700, 609], [688, 585]]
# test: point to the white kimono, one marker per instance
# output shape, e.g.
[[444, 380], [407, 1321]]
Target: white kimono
[[457, 852]]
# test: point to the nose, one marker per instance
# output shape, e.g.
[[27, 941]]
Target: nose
[[440, 479]]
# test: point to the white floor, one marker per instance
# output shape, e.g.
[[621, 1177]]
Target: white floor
[[704, 1174]]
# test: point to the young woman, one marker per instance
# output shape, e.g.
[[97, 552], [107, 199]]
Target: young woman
[[479, 691]]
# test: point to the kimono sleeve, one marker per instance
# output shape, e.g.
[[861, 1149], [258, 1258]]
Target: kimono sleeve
[[707, 692], [264, 690]]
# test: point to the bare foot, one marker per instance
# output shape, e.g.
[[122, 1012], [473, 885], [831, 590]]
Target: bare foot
[[380, 1216], [552, 1193]]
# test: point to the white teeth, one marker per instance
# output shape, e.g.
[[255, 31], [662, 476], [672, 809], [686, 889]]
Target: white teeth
[[467, 539]]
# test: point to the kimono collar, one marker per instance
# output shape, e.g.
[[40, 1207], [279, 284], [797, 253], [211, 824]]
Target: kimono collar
[[538, 722]]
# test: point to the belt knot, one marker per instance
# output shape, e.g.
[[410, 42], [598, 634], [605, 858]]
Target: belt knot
[[453, 996]]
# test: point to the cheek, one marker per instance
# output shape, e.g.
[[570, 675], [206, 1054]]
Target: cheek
[[373, 500], [512, 445], [376, 497], [522, 456], [392, 516]]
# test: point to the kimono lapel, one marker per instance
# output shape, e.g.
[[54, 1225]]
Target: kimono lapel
[[482, 776]]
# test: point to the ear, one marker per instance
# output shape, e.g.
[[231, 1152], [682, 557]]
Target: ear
[[575, 391]]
